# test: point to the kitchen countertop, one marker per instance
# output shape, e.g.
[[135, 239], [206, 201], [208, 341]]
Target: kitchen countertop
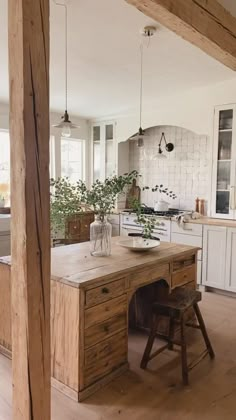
[[213, 221], [73, 265]]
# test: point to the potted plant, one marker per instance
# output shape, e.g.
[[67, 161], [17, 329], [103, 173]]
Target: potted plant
[[68, 199], [2, 201]]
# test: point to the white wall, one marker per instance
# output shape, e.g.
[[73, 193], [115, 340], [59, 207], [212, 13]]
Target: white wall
[[192, 110]]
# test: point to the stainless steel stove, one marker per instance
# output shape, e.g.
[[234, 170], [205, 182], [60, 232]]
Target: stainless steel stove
[[163, 227]]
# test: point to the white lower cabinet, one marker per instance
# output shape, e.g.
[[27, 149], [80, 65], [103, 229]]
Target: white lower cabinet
[[189, 234], [230, 271], [214, 256], [5, 244]]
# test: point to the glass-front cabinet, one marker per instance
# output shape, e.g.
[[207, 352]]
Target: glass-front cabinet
[[224, 163], [104, 154]]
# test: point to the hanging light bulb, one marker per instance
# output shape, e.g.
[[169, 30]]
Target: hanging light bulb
[[66, 125], [140, 136], [66, 131]]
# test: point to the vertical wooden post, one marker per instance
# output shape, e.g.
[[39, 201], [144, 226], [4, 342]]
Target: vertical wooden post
[[30, 227]]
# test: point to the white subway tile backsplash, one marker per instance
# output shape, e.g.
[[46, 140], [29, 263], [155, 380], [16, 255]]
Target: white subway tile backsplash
[[185, 171]]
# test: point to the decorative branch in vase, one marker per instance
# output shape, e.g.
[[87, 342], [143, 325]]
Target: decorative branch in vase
[[68, 199], [150, 222]]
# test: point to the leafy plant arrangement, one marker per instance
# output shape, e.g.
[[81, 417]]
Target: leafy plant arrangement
[[149, 222], [69, 199], [161, 189], [2, 200]]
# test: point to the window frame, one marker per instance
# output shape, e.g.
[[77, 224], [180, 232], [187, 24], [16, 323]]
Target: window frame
[[83, 157]]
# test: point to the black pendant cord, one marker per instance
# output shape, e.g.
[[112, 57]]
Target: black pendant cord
[[141, 85]]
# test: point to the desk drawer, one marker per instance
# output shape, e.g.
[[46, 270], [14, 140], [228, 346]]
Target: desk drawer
[[183, 262], [184, 276], [105, 292], [104, 330], [143, 277], [106, 310], [106, 356]]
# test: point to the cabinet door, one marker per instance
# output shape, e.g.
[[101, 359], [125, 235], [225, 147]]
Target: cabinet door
[[214, 254], [5, 245], [97, 152], [230, 278], [103, 150], [110, 150], [224, 154]]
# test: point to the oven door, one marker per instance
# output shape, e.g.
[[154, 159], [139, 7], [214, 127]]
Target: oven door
[[125, 230]]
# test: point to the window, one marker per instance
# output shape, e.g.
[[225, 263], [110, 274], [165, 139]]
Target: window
[[5, 164], [73, 159], [52, 164]]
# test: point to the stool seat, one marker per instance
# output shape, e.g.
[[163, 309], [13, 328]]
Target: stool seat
[[177, 302], [175, 306]]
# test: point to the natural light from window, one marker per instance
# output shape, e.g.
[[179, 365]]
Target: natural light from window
[[73, 159], [5, 166]]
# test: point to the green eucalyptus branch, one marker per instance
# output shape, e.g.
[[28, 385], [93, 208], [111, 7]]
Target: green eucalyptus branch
[[69, 199]]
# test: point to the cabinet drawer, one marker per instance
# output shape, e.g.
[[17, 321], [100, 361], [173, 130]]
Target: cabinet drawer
[[106, 356], [105, 311], [180, 263], [184, 276], [143, 277], [188, 229], [105, 292], [104, 330], [180, 238]]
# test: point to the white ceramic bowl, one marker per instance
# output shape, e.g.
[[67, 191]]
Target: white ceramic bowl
[[139, 244]]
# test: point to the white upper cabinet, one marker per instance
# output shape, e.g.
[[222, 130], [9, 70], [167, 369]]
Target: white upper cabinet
[[104, 153], [224, 163]]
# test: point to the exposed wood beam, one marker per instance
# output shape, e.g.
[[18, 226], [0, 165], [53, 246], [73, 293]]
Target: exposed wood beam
[[30, 227], [204, 23]]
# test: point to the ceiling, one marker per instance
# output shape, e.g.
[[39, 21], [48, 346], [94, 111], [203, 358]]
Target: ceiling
[[103, 59]]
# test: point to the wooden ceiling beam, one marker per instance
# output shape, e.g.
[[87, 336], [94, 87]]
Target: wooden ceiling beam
[[30, 223], [204, 23]]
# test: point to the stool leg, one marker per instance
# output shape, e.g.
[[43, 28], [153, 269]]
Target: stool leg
[[171, 333], [151, 338], [183, 352], [203, 330]]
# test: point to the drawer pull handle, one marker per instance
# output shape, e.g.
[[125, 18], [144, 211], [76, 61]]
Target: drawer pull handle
[[105, 290]]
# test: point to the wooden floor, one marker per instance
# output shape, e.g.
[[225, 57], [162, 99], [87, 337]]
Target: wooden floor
[[157, 394]]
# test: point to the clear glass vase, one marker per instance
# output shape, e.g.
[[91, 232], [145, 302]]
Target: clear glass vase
[[100, 237]]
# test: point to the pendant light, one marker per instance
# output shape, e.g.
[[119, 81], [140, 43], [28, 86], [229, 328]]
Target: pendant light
[[147, 32], [66, 125]]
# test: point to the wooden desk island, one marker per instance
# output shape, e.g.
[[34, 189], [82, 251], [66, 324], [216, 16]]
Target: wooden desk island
[[89, 308]]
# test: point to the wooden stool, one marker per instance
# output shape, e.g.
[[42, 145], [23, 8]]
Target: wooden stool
[[175, 307]]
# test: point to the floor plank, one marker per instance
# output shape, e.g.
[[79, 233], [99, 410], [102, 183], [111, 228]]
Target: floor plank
[[157, 393]]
